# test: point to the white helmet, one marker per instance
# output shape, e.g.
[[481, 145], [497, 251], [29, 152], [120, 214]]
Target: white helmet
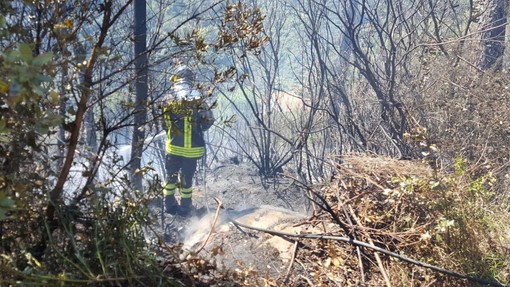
[[184, 92], [182, 88], [183, 74]]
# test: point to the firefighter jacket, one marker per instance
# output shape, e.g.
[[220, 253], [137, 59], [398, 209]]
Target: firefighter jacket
[[186, 122]]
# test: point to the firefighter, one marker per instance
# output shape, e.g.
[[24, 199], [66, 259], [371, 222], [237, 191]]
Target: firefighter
[[187, 117]]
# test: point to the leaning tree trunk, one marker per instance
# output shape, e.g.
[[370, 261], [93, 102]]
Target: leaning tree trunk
[[492, 27]]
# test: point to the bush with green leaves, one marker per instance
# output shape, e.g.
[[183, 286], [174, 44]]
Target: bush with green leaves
[[27, 116], [445, 218], [90, 243]]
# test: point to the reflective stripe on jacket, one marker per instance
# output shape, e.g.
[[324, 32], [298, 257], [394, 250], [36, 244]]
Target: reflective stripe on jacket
[[184, 130]]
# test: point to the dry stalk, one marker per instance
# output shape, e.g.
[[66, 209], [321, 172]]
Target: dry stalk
[[375, 248], [294, 251], [377, 257], [220, 204], [358, 250]]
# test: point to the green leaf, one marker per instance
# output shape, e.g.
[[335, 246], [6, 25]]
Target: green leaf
[[4, 133], [6, 203], [4, 86], [13, 100], [54, 97], [2, 21], [43, 59], [41, 128], [3, 31], [44, 78], [38, 90], [53, 119], [3, 126], [25, 52]]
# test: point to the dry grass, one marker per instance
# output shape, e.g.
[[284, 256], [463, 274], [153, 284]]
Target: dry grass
[[383, 166], [402, 207]]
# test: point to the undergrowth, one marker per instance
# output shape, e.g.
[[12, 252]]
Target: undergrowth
[[447, 219], [93, 244]]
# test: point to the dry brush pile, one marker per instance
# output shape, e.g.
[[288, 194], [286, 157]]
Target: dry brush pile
[[386, 222]]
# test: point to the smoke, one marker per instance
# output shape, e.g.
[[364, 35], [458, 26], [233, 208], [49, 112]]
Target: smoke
[[265, 216]]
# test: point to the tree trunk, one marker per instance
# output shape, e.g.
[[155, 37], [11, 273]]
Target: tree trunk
[[140, 115], [492, 27]]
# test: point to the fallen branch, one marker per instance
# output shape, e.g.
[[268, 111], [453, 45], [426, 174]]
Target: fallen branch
[[373, 247]]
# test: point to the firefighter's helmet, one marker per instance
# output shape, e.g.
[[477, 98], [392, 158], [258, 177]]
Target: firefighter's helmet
[[182, 88], [183, 74]]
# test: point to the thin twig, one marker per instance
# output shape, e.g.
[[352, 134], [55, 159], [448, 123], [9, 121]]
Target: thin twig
[[360, 264], [307, 280], [220, 204], [377, 257], [376, 248], [431, 283], [294, 251]]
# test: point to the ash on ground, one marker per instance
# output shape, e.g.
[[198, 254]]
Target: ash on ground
[[275, 204]]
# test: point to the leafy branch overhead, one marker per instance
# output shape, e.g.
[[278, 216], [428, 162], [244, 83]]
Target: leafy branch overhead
[[242, 24], [241, 28]]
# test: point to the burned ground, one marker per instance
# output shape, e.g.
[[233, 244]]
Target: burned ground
[[403, 208]]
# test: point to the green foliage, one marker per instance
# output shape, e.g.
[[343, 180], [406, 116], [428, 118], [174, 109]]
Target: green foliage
[[27, 115], [5, 204], [462, 230], [446, 218], [3, 26], [99, 244]]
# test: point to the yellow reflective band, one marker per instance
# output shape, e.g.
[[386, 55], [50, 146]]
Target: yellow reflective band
[[181, 143], [187, 132], [186, 192], [170, 186], [193, 152], [169, 189]]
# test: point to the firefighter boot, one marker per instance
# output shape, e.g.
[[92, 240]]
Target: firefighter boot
[[186, 208], [171, 205]]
